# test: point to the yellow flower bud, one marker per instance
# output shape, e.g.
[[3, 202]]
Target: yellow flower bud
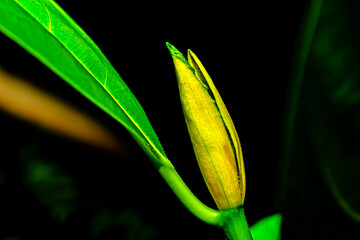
[[212, 132]]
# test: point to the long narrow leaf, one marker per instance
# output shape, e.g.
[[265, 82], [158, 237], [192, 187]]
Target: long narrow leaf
[[334, 113], [48, 33]]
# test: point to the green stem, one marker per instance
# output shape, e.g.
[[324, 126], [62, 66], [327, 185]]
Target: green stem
[[302, 48], [235, 225], [193, 204]]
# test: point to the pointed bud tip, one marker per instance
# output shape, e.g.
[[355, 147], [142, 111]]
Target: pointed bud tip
[[173, 51], [178, 55], [190, 53]]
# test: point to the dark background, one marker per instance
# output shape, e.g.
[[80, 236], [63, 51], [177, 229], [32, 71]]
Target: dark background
[[247, 50]]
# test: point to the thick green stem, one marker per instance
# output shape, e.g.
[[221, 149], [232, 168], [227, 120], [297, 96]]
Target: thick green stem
[[235, 225], [193, 204]]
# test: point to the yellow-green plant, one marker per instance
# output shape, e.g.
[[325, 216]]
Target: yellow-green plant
[[215, 140], [47, 32]]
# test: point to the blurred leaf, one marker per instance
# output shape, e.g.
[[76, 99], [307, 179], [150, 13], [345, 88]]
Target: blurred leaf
[[334, 102], [53, 188], [27, 102], [47, 32], [267, 228], [322, 199], [101, 221], [136, 228]]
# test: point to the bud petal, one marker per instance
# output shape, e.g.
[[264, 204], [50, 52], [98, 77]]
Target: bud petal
[[212, 132]]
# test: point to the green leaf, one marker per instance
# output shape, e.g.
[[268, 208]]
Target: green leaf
[[322, 183], [328, 115], [334, 97], [267, 228], [48, 33]]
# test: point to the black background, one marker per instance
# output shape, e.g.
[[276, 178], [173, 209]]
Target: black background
[[247, 50]]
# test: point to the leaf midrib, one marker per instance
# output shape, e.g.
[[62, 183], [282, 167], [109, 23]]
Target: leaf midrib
[[162, 157]]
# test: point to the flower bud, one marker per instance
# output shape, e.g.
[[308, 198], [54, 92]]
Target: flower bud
[[212, 132]]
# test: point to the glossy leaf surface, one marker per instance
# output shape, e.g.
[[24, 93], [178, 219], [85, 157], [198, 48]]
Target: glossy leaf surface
[[48, 33]]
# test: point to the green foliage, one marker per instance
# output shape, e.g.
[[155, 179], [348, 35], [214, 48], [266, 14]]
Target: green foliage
[[50, 201], [320, 174], [53, 189], [333, 91], [320, 179], [268, 228], [47, 32]]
